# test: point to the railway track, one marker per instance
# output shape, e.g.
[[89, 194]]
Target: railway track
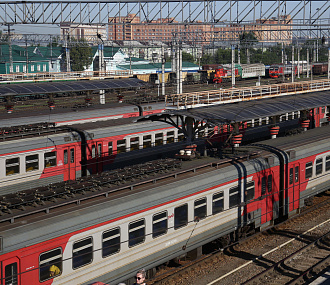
[[297, 249], [301, 266]]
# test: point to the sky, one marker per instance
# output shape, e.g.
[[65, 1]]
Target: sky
[[197, 10]]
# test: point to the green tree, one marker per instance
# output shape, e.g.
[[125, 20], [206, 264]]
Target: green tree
[[248, 40], [81, 55], [187, 57], [207, 59], [55, 42], [3, 39]]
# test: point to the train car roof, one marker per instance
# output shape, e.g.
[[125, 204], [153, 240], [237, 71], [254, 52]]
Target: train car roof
[[128, 200], [68, 86], [249, 110], [64, 116]]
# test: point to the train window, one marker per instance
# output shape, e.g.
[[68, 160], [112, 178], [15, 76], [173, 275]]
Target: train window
[[270, 183], [327, 163], [110, 148], [65, 156], [323, 110], [99, 150], [291, 176], [249, 124], [256, 122], [249, 191], [146, 141], [11, 274], [159, 224], [159, 140], [12, 166], [170, 137], [134, 143], [82, 252], [110, 242], [72, 155], [136, 233], [319, 166], [234, 197], [296, 174], [121, 146], [217, 203], [180, 216], [50, 159], [264, 121], [50, 260], [93, 154], [200, 208], [32, 162], [263, 185], [309, 170]]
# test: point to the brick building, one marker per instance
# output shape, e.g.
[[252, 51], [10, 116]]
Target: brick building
[[157, 30]]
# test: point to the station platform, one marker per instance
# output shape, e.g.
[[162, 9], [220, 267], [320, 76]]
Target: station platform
[[324, 279]]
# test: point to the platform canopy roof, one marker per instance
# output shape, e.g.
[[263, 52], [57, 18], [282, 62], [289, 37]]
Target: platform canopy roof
[[17, 89], [248, 110]]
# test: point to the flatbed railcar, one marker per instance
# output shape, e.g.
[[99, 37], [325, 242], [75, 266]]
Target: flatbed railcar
[[144, 225]]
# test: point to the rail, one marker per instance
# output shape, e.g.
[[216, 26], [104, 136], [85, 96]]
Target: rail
[[59, 76], [231, 95]]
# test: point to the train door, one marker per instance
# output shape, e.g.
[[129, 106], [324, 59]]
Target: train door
[[268, 199], [99, 157], [69, 163], [294, 186], [10, 269], [96, 164]]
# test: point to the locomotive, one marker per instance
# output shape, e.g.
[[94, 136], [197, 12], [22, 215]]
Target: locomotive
[[218, 73], [151, 221]]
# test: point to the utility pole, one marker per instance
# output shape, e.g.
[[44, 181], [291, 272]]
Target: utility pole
[[163, 71], [233, 66], [180, 68], [11, 67], [239, 54], [67, 52], [101, 66], [101, 55], [292, 64], [27, 56], [298, 52], [283, 63], [308, 63]]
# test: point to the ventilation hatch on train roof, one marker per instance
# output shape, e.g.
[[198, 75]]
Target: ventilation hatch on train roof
[[291, 154], [270, 159]]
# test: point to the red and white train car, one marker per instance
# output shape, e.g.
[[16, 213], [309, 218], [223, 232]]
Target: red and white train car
[[109, 239]]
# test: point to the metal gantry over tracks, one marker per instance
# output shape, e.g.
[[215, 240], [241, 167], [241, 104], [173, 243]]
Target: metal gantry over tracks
[[232, 95]]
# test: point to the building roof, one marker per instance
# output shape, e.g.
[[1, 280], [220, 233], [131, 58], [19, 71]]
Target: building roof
[[108, 51], [34, 53]]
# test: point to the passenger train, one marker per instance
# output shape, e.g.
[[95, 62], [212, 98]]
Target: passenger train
[[48, 153], [151, 221], [87, 114]]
